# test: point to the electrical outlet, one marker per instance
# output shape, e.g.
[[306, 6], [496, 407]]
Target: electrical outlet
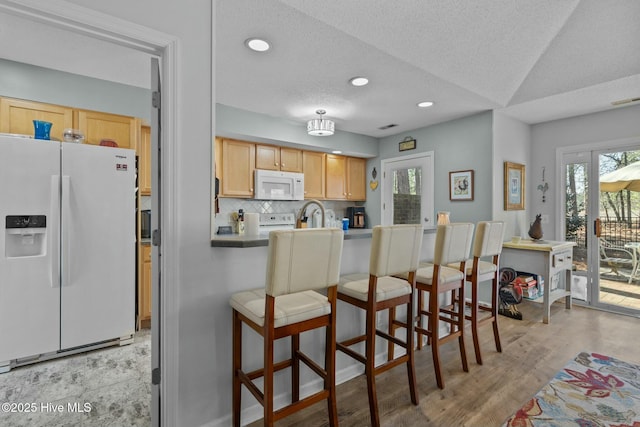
[[545, 219]]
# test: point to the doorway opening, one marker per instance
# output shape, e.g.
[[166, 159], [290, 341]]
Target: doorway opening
[[101, 30]]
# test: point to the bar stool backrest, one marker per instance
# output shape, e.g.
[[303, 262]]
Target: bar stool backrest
[[395, 249], [489, 238], [453, 243], [303, 259]]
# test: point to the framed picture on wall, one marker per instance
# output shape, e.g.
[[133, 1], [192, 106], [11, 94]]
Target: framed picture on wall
[[461, 185], [513, 186]]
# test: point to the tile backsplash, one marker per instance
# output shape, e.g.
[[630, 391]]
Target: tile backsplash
[[228, 206]]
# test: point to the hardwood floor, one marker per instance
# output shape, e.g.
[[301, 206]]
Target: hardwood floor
[[532, 354]]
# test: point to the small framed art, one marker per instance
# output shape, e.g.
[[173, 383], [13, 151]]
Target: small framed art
[[513, 186], [461, 185]]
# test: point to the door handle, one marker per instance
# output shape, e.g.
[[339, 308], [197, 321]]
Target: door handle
[[597, 228]]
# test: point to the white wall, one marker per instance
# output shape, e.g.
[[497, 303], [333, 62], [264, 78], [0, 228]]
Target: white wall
[[511, 143], [619, 125], [203, 343]]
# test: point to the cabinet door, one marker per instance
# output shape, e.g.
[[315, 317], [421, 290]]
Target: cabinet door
[[336, 188], [313, 165], [267, 157], [97, 126], [144, 161], [238, 165], [17, 116], [356, 178], [290, 159]]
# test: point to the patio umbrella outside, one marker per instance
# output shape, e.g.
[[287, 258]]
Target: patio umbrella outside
[[626, 178]]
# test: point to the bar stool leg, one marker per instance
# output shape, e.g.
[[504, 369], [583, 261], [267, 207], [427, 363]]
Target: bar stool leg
[[237, 366], [411, 372], [330, 360], [461, 320], [494, 312], [370, 350], [295, 368], [434, 328], [474, 320]]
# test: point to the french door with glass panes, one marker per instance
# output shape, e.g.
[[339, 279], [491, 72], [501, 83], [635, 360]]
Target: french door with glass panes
[[407, 190], [606, 227]]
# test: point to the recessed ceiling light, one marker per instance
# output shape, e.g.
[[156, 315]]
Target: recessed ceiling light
[[258, 45], [359, 81], [336, 152], [425, 104]]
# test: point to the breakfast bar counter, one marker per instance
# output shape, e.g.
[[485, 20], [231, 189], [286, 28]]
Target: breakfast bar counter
[[245, 241]]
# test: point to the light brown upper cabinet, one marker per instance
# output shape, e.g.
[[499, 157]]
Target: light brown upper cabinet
[[336, 177], [237, 167], [96, 126], [17, 116], [144, 161], [314, 167], [271, 157], [356, 178], [346, 178]]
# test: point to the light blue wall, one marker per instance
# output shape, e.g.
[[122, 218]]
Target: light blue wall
[[24, 81], [460, 144], [611, 129]]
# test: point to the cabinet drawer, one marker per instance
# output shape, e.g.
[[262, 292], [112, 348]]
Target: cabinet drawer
[[563, 260]]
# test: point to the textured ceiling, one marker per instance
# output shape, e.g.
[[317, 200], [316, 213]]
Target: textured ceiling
[[535, 60]]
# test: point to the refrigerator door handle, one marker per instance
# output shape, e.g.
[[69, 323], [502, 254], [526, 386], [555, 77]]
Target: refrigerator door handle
[[54, 231], [66, 250]]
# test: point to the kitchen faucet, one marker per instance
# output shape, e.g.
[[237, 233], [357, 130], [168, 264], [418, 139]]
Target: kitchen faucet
[[304, 207]]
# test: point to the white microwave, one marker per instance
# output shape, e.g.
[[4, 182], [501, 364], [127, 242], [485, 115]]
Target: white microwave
[[276, 185]]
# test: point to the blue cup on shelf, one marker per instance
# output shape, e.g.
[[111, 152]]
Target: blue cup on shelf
[[345, 224], [41, 129]]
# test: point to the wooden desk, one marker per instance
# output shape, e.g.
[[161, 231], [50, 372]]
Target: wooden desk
[[545, 257]]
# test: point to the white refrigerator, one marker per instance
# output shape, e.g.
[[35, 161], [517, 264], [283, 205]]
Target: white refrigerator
[[67, 242]]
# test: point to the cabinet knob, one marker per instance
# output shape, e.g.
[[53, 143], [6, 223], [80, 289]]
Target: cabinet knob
[[282, 165], [276, 163]]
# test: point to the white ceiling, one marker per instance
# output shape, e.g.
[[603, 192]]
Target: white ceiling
[[535, 60]]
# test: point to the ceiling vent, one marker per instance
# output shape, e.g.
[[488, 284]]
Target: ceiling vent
[[392, 125], [625, 101]]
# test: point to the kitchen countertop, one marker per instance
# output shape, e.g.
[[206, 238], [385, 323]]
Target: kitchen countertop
[[244, 241]]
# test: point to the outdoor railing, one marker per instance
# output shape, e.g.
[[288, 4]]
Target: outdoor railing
[[616, 232]]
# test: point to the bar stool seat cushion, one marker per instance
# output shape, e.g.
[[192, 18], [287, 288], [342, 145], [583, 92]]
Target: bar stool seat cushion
[[289, 309], [484, 267], [357, 286], [424, 274]]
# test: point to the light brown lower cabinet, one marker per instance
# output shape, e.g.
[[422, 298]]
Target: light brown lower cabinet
[[144, 287]]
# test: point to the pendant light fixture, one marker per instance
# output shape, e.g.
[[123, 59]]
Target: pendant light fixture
[[320, 127]]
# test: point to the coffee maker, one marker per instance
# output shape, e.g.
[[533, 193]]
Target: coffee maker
[[356, 217]]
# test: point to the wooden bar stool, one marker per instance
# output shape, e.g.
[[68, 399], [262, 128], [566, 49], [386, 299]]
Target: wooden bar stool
[[487, 243], [394, 250], [298, 262], [453, 243]]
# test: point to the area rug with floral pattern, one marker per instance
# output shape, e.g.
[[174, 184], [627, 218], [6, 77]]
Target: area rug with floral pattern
[[591, 390]]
